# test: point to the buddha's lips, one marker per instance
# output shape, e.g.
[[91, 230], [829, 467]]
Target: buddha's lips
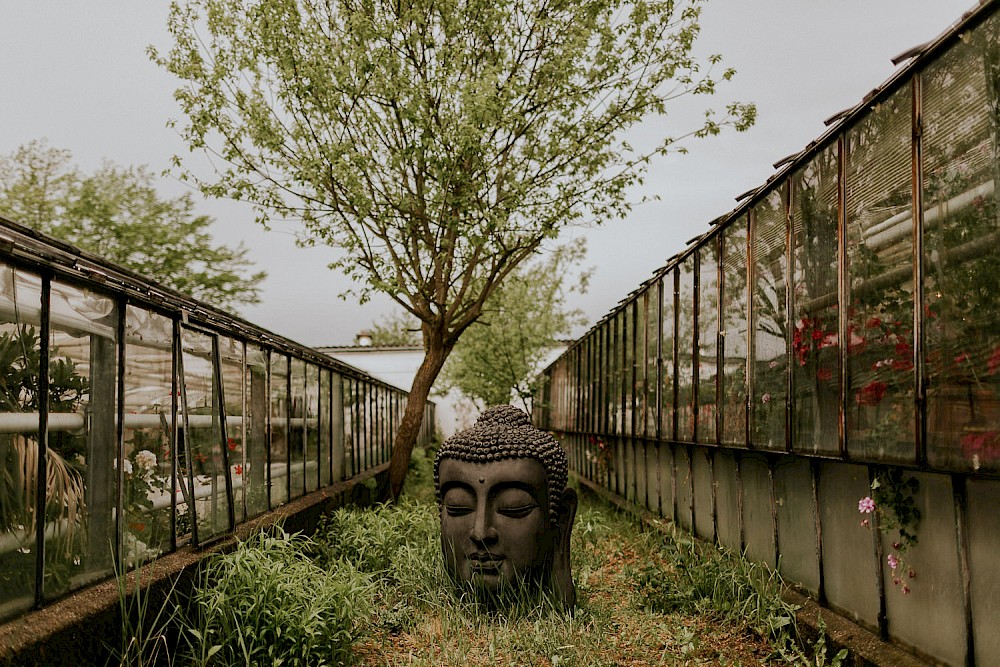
[[485, 563]]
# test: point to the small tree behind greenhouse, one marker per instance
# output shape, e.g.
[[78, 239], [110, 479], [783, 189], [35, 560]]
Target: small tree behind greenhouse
[[117, 213], [497, 359], [436, 144]]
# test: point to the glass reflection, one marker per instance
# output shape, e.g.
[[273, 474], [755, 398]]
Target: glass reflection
[[769, 380], [205, 452], [961, 232], [815, 306], [255, 454], [83, 380], [148, 496], [708, 341], [20, 350], [880, 372], [735, 316], [685, 350]]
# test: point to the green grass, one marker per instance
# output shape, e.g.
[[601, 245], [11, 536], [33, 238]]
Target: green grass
[[370, 588]]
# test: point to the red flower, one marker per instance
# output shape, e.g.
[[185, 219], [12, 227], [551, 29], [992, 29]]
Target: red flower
[[993, 364], [824, 374], [871, 393], [961, 357], [902, 364], [238, 468], [873, 323], [817, 334], [231, 443], [985, 444]]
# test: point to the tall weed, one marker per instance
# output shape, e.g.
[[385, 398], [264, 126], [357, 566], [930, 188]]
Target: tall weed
[[268, 603]]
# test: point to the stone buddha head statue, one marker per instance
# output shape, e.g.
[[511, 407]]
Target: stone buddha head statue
[[506, 511]]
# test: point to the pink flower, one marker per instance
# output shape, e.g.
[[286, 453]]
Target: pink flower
[[866, 505], [905, 589], [766, 398], [865, 523], [892, 561]]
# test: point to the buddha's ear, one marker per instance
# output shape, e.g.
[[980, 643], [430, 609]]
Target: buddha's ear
[[564, 592], [566, 511]]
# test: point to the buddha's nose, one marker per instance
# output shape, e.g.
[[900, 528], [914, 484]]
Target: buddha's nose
[[483, 530]]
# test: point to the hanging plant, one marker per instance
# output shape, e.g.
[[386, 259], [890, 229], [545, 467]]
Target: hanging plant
[[892, 501]]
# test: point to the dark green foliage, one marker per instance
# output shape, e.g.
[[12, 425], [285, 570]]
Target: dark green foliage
[[268, 603]]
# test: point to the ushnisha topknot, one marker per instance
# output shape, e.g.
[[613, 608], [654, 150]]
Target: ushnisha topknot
[[505, 432]]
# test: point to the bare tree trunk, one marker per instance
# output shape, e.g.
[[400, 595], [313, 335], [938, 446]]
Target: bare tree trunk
[[409, 428]]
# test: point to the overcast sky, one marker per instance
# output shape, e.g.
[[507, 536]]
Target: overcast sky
[[75, 72]]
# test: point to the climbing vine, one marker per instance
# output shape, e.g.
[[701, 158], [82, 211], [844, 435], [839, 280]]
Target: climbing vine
[[897, 517]]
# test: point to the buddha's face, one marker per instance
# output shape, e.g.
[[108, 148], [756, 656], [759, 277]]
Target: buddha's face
[[495, 527]]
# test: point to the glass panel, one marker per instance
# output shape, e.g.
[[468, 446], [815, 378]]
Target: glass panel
[[296, 430], [736, 316], [325, 430], [668, 367], [770, 324], [255, 454], [233, 381], [880, 377], [204, 450], [652, 359], [961, 233], [628, 369], [607, 375], [20, 305], [618, 359], [641, 304], [280, 450], [685, 350], [708, 341], [312, 427], [350, 446], [83, 377], [815, 304], [148, 498], [363, 431]]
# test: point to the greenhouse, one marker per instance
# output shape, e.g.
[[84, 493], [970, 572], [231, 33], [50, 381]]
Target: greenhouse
[[815, 380], [161, 424]]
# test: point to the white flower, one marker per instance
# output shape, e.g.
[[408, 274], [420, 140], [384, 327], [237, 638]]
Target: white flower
[[145, 459], [126, 466]]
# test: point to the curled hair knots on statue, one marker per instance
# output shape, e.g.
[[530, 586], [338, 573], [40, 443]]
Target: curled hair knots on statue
[[505, 432]]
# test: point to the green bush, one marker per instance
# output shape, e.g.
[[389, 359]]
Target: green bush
[[268, 603]]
